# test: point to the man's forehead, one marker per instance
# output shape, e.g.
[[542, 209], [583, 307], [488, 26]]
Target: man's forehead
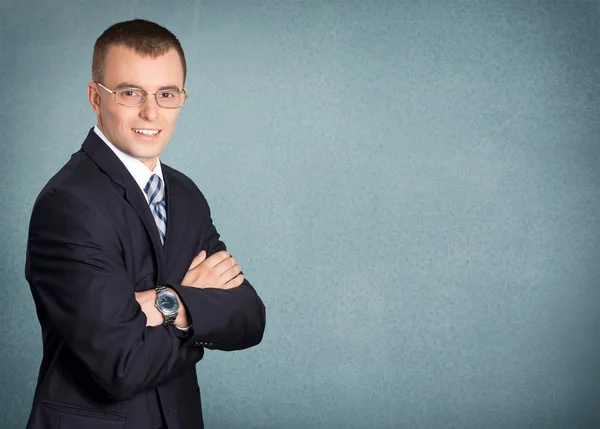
[[125, 66]]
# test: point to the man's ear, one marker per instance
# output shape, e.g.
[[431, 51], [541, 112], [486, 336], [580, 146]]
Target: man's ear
[[94, 97]]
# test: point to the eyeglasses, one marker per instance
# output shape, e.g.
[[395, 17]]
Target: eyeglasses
[[131, 97]]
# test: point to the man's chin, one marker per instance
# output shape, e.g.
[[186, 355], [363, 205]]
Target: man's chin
[[147, 151]]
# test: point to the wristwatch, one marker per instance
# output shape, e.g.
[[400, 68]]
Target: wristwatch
[[167, 303]]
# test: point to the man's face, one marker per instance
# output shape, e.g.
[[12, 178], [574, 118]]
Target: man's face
[[130, 128]]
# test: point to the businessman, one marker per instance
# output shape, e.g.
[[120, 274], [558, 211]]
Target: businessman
[[129, 277]]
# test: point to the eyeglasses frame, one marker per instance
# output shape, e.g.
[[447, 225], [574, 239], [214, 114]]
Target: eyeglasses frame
[[144, 98]]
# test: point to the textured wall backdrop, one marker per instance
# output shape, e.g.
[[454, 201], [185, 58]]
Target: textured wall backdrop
[[413, 188]]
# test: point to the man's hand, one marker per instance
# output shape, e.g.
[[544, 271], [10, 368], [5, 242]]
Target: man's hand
[[220, 271]]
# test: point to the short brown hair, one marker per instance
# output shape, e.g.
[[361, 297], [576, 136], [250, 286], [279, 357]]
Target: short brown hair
[[144, 37]]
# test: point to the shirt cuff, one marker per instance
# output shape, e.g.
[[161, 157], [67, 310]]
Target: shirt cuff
[[184, 329]]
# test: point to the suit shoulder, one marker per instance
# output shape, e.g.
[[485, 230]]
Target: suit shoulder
[[80, 175], [73, 167], [187, 183], [178, 175]]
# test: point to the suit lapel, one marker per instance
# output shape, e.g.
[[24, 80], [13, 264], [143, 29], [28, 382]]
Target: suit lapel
[[136, 199], [176, 217], [108, 162]]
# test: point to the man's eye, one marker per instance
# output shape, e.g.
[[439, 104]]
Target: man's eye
[[130, 93], [166, 94]]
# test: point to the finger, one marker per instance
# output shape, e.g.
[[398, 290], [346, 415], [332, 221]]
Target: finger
[[231, 273], [216, 258], [200, 257], [235, 282], [225, 265]]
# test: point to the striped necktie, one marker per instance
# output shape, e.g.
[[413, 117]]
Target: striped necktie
[[156, 200]]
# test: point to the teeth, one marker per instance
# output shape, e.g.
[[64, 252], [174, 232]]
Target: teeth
[[147, 132]]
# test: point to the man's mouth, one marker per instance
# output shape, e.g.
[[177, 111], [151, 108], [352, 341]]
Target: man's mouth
[[146, 132]]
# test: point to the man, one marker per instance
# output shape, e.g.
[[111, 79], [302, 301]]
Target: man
[[130, 280]]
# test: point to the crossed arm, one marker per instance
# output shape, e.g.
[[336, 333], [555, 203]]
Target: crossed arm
[[218, 271]]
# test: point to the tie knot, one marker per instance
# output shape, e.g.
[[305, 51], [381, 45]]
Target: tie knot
[[154, 190]]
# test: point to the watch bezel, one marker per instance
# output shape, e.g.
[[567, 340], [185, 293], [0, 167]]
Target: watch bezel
[[164, 311]]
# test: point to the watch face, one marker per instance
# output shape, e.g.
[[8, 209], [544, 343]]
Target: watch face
[[167, 303]]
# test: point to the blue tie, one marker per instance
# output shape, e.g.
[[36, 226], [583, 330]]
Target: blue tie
[[156, 200]]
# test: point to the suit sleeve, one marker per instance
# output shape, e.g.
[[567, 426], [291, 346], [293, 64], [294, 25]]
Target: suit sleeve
[[223, 319], [77, 276]]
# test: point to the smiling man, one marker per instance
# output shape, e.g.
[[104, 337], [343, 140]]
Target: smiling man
[[130, 279]]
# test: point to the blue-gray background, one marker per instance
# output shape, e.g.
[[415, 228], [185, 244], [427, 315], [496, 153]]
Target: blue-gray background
[[413, 188]]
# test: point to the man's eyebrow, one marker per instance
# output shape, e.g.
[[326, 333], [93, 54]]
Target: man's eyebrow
[[132, 85], [127, 85], [162, 88]]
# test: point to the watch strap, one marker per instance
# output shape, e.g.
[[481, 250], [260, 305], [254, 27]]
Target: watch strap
[[160, 289], [169, 319]]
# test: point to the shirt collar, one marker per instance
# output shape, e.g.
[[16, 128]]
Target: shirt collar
[[136, 168]]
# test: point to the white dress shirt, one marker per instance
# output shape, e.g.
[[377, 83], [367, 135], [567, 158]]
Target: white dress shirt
[[136, 168]]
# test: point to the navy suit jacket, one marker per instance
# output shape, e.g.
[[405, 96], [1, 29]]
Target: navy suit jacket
[[92, 244]]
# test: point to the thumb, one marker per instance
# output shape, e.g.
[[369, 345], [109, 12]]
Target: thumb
[[200, 257]]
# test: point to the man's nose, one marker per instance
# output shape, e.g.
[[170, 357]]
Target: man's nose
[[150, 109]]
